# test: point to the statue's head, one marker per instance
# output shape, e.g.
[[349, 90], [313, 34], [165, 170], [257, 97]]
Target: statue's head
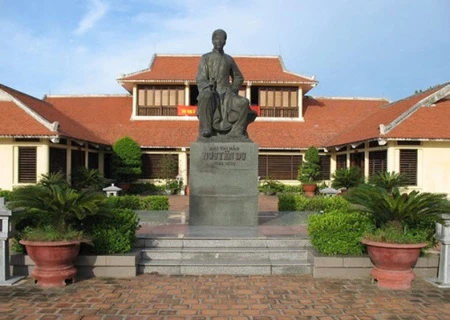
[[221, 32]]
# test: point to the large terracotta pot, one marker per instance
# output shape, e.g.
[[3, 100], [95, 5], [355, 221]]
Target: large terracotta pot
[[54, 261], [393, 263], [309, 189]]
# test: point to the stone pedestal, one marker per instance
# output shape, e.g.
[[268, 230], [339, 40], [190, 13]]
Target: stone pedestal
[[223, 184]]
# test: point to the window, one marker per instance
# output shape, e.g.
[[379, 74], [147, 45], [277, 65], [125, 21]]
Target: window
[[279, 167], [408, 165], [377, 162], [93, 160], [150, 165], [78, 159], [341, 161], [27, 164], [58, 160], [277, 101], [325, 167], [159, 100]]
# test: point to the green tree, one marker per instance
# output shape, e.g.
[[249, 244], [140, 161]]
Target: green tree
[[127, 160], [309, 170]]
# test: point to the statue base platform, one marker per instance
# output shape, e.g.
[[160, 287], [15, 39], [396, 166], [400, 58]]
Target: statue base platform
[[223, 184]]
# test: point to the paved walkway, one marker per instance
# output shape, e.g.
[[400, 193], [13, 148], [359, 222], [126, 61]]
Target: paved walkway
[[153, 296], [265, 203]]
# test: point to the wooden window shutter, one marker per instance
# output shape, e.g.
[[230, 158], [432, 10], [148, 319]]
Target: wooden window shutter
[[325, 167], [27, 165], [377, 162], [58, 160], [279, 167], [408, 165], [341, 161], [151, 165]]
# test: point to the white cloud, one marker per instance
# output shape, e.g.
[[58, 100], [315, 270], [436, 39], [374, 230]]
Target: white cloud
[[97, 9]]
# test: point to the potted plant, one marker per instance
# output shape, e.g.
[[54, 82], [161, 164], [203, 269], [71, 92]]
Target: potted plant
[[404, 224], [309, 171], [48, 219], [347, 178], [126, 162]]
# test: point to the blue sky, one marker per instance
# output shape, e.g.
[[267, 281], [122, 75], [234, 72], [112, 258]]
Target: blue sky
[[379, 48]]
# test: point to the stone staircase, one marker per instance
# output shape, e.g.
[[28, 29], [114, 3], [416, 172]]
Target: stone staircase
[[216, 254]]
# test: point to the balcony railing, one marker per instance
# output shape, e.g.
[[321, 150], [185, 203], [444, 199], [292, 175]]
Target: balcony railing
[[279, 112], [273, 112]]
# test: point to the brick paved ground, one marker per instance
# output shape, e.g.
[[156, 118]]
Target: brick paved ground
[[153, 296]]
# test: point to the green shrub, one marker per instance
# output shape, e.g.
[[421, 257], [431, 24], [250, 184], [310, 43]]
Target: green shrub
[[286, 202], [144, 188], [292, 189], [5, 194], [135, 202], [298, 202], [155, 203], [339, 232], [270, 186], [117, 234]]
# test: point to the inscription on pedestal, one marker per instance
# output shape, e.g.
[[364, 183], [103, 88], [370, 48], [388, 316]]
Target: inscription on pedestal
[[223, 184]]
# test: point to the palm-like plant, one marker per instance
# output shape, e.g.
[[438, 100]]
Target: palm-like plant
[[406, 211], [388, 180], [347, 178], [55, 208]]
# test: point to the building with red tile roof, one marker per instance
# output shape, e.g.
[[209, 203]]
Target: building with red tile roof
[[61, 133]]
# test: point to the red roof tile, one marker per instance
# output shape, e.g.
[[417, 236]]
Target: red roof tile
[[16, 122], [368, 127], [109, 120], [429, 122], [181, 68]]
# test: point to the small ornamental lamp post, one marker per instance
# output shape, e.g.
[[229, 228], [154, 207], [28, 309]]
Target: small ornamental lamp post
[[443, 235], [5, 279], [329, 191], [112, 190]]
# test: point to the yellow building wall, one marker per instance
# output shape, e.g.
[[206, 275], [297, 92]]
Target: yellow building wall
[[6, 164]]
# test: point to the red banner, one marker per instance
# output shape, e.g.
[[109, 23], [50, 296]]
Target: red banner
[[192, 110], [186, 110]]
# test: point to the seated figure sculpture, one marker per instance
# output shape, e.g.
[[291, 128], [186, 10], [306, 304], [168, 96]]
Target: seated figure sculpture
[[221, 110]]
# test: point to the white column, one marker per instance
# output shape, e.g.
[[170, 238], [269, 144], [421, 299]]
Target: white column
[[134, 114], [300, 103], [248, 93], [187, 92], [182, 166]]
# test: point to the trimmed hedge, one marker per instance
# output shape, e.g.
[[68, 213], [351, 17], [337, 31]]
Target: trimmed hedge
[[115, 233], [135, 202], [298, 202], [339, 232]]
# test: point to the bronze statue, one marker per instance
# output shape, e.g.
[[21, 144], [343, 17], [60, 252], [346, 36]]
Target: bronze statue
[[221, 110]]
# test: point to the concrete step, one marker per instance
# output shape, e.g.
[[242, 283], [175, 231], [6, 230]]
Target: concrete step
[[231, 253], [262, 242], [249, 267]]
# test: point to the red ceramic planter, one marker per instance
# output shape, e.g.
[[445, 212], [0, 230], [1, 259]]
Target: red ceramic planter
[[393, 263], [54, 261]]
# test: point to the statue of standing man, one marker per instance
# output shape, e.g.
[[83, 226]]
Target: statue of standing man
[[221, 110]]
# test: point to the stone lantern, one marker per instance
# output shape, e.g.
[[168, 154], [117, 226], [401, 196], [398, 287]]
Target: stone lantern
[[112, 190], [443, 235], [5, 279]]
